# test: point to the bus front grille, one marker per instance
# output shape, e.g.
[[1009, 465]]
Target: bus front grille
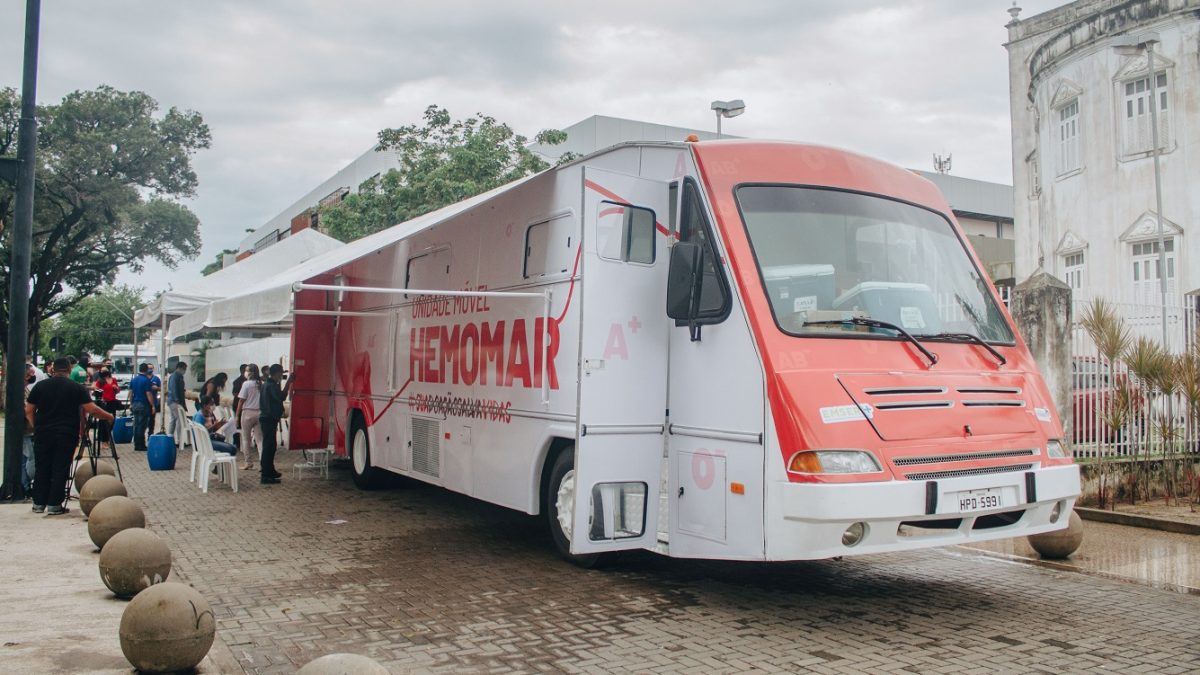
[[964, 457], [960, 473]]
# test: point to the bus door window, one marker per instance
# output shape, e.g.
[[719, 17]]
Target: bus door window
[[694, 226]]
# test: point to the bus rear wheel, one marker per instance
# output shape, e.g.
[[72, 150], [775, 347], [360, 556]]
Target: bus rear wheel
[[560, 509], [366, 477]]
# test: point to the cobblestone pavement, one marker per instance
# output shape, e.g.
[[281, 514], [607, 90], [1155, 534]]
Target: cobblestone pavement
[[424, 580]]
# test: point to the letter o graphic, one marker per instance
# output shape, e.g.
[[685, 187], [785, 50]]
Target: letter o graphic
[[704, 470]]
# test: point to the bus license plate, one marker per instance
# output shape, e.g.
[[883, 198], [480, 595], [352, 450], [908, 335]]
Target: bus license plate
[[980, 500]]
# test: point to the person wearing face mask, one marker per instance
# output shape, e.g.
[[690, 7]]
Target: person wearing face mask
[[141, 403], [155, 388]]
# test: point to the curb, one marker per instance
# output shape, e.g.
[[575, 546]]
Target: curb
[[1134, 520]]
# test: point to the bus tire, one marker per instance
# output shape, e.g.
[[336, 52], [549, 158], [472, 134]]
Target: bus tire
[[562, 472], [366, 477]]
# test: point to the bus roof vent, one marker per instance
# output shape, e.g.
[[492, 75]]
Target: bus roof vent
[[426, 446]]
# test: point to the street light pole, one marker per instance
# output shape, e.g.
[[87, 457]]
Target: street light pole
[[1132, 47], [727, 109], [1158, 207], [18, 280]]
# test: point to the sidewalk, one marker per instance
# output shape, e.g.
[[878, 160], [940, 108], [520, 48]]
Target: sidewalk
[[59, 617], [1136, 554]]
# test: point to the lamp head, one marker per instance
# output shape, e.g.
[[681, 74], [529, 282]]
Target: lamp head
[[729, 108]]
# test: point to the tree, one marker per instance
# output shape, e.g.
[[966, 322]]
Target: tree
[[109, 174], [93, 324], [218, 264], [442, 162]]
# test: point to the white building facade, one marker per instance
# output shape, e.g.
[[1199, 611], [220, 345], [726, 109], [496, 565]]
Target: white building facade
[[1083, 167]]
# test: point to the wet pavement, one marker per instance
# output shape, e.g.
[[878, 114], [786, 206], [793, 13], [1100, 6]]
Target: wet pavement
[[424, 580], [1161, 559]]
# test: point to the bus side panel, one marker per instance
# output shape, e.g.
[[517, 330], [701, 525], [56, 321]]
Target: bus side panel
[[440, 407], [715, 456], [312, 374]]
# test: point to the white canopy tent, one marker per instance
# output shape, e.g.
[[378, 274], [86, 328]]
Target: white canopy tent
[[172, 304], [269, 303]]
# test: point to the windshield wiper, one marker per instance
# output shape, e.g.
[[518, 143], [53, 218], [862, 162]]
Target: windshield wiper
[[972, 338], [876, 323]]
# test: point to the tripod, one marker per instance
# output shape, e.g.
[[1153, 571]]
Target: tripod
[[92, 448]]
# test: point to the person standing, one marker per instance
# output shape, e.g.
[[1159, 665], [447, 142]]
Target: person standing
[[246, 411], [33, 375], [237, 383], [272, 411], [155, 389], [53, 411], [141, 403], [177, 402], [78, 372], [108, 388]]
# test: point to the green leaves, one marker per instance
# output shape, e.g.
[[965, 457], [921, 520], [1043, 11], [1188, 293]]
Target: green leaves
[[441, 162], [110, 172], [94, 324]]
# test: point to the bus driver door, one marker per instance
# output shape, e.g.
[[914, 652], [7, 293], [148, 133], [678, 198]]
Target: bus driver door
[[623, 374]]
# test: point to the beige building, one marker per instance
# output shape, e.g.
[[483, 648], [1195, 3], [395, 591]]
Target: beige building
[[1083, 168]]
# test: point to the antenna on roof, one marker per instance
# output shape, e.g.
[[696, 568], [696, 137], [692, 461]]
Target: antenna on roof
[[942, 164]]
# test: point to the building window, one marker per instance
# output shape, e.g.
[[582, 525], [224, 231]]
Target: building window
[[1146, 273], [1073, 270], [1135, 127], [1068, 137]]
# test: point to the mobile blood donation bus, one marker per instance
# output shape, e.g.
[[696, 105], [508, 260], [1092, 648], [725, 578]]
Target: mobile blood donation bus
[[732, 349]]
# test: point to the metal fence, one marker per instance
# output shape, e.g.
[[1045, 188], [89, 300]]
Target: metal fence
[[1115, 413]]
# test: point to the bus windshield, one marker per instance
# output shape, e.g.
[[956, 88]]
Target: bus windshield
[[828, 255]]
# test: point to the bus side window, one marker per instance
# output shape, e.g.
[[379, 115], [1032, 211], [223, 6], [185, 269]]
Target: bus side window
[[715, 296], [548, 247], [625, 233], [429, 271]]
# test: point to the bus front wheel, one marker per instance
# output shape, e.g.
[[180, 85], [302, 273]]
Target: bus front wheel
[[366, 477], [560, 509]]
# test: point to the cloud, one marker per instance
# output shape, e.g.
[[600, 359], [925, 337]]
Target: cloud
[[293, 90]]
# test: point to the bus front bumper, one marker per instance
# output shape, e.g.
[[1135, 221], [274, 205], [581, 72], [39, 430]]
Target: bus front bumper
[[808, 521]]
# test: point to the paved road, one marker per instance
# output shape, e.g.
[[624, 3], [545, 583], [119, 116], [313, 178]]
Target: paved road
[[425, 580]]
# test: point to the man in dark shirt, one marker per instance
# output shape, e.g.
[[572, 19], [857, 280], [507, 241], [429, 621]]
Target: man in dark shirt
[[271, 405], [141, 402], [53, 412], [239, 381]]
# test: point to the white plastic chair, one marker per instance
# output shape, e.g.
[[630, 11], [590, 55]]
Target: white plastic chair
[[180, 428], [209, 458]]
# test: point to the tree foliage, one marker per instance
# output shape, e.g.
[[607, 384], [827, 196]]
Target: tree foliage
[[96, 322], [218, 264], [441, 162], [110, 172]]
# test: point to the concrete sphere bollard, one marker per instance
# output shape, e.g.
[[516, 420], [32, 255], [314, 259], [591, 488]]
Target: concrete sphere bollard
[[83, 471], [133, 560], [1061, 543], [111, 516], [166, 628], [342, 664], [97, 489]]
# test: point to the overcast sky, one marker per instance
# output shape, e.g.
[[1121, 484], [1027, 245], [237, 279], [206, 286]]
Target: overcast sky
[[293, 90]]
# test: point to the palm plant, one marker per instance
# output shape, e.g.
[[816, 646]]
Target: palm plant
[[1146, 360], [1111, 337], [1166, 381], [1189, 390]]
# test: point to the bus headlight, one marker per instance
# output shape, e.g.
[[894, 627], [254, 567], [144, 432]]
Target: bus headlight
[[833, 461], [1056, 450]]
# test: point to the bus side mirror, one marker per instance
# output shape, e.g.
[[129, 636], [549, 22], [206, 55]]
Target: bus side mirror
[[683, 281]]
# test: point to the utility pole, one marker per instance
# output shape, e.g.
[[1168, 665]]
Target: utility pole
[[18, 281]]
